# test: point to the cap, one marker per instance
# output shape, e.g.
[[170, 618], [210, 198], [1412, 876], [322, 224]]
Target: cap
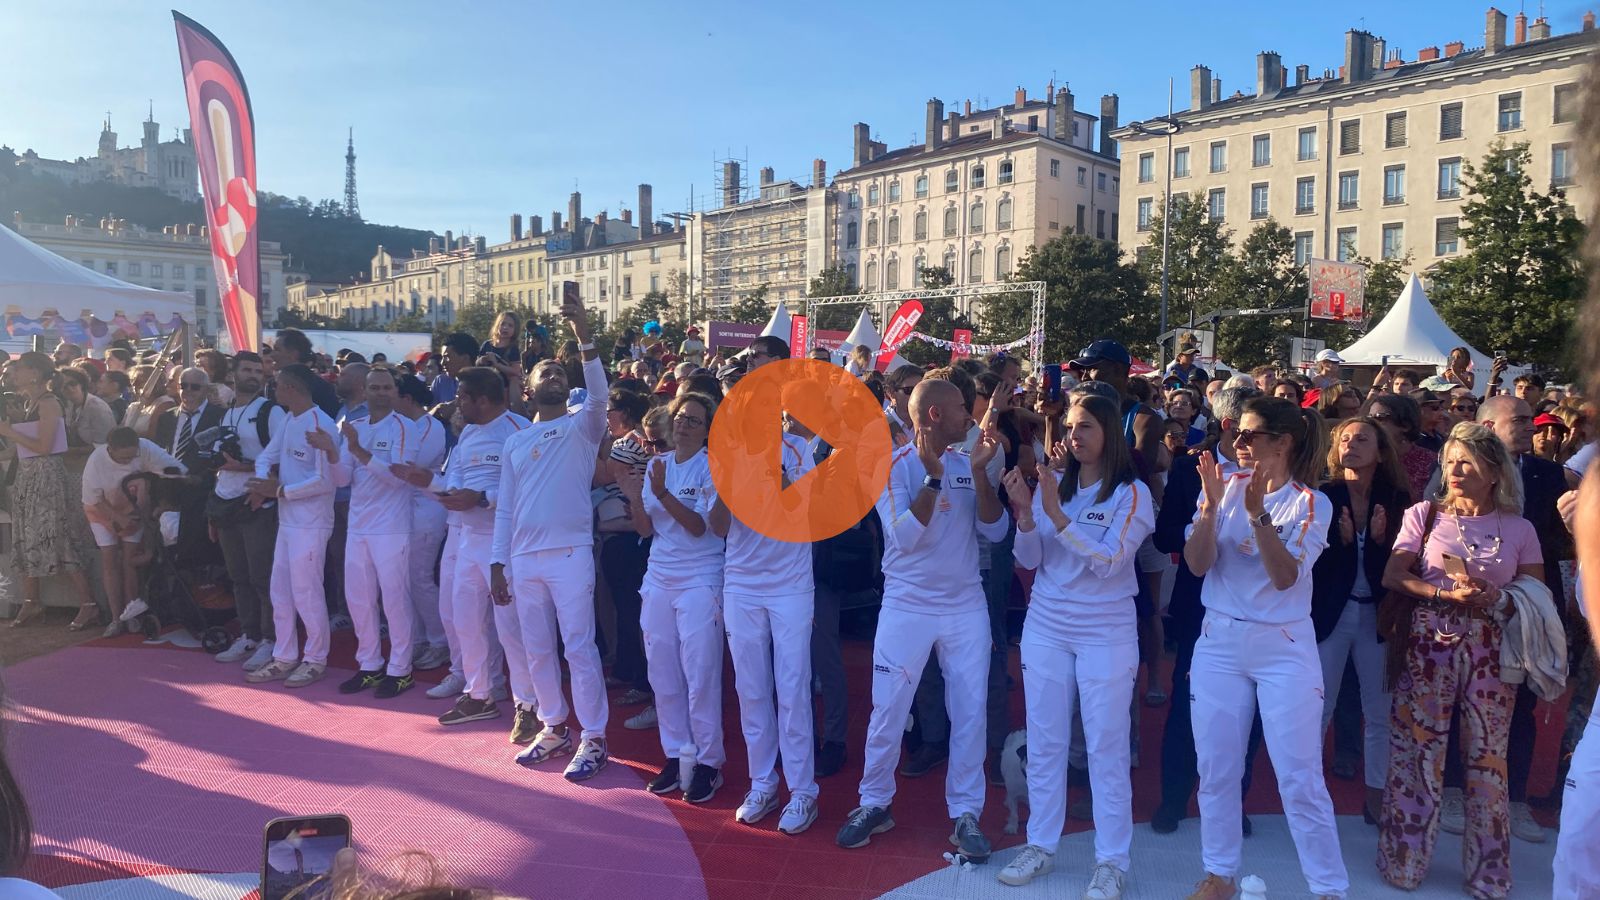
[[1102, 351], [1188, 349], [1438, 383], [1545, 419], [692, 329], [1326, 355]]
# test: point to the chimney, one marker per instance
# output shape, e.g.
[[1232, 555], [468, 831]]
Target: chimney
[[953, 126], [555, 221], [1269, 73], [535, 226], [1588, 21], [1453, 48], [862, 145], [1302, 74], [1199, 88], [1519, 29], [1064, 115], [449, 241], [819, 173], [933, 138], [516, 226], [1108, 124], [575, 209], [1380, 52], [1494, 32], [1428, 54], [647, 222], [730, 178], [1022, 96], [966, 108], [627, 217], [766, 176], [1357, 56], [1216, 90], [1539, 30], [1395, 61], [433, 246], [481, 245]]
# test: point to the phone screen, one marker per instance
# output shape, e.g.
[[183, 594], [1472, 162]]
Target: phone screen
[[1052, 383], [569, 292], [297, 856]]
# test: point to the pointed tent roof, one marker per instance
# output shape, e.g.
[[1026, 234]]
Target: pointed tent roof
[[863, 334], [1411, 334], [778, 325], [32, 280]]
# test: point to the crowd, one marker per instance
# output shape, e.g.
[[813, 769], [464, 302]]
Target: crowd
[[1394, 563]]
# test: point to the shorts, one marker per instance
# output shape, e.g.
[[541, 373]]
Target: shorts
[[104, 538]]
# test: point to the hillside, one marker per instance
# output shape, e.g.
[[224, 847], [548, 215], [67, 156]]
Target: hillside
[[325, 245]]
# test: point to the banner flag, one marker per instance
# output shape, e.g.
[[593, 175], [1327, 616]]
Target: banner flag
[[900, 328], [962, 338], [225, 151], [798, 329]]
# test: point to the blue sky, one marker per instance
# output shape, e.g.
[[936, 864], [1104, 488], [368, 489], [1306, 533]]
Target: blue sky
[[465, 112]]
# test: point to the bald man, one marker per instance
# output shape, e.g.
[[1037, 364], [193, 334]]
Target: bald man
[[935, 505]]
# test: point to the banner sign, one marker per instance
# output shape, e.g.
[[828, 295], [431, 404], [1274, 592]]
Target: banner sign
[[829, 338], [737, 335], [963, 344], [1338, 291], [797, 336], [225, 151], [901, 326]]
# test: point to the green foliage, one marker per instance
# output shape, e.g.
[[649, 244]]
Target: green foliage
[[1263, 275], [655, 306], [1200, 262], [752, 308], [936, 277], [1090, 293], [293, 318], [834, 281]]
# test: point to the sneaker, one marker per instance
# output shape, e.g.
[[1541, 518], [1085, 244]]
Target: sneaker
[[340, 622], [306, 674], [360, 681], [643, 720], [261, 657], [863, 823], [703, 784], [392, 686], [240, 650], [134, 610], [1214, 887], [756, 806], [633, 697], [1105, 883], [969, 838], [926, 758], [469, 709], [588, 762], [666, 781], [830, 758], [114, 628], [451, 686], [798, 815], [275, 670], [1523, 825], [552, 740], [435, 657], [1453, 812], [1031, 862], [525, 726]]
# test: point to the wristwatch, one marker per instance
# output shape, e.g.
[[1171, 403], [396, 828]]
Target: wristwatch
[[483, 501], [1262, 521], [932, 483]]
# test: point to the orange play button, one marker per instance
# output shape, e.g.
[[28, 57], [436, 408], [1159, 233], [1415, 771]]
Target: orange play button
[[746, 449]]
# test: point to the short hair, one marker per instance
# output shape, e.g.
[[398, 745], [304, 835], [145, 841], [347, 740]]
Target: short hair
[[1229, 402], [121, 353], [352, 359], [708, 403], [250, 356], [393, 373], [462, 343], [75, 375], [295, 340], [874, 381], [702, 384], [958, 377], [482, 382], [121, 378], [300, 374], [413, 387], [1239, 380], [632, 404], [1532, 378], [896, 377], [122, 437], [988, 383], [1260, 371], [771, 345], [1411, 375]]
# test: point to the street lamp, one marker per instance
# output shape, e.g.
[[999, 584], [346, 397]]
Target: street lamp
[[1168, 125]]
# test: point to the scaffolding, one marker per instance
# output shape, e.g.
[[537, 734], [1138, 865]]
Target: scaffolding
[[753, 237], [884, 303]]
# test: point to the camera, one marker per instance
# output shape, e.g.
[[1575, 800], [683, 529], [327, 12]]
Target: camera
[[220, 439]]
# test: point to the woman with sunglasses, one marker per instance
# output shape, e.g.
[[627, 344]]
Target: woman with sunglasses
[[682, 603], [1255, 536], [1401, 418]]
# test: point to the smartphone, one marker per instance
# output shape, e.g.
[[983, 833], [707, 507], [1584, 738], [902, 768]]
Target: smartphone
[[1500, 354], [569, 292], [297, 856], [1455, 566], [1052, 383], [1386, 361]]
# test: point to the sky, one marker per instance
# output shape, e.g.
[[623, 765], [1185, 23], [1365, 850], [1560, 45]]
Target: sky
[[466, 112]]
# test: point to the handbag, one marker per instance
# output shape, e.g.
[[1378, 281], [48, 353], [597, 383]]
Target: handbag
[[1396, 608]]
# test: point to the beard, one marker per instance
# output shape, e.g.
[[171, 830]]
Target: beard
[[550, 394]]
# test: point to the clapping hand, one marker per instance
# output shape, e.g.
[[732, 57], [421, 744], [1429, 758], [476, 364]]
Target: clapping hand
[[932, 459], [1059, 454], [320, 440], [1347, 527], [658, 476], [1016, 485], [413, 475], [983, 451], [348, 431], [1211, 484], [1379, 525]]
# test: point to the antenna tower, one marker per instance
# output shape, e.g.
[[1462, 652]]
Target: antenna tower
[[352, 207]]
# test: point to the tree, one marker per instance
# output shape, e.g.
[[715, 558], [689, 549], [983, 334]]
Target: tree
[[1200, 261], [939, 319], [751, 308], [1090, 293], [834, 281], [1263, 276], [655, 306], [1518, 284]]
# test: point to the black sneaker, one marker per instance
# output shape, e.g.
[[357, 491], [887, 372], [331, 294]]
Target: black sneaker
[[393, 686], [525, 727], [926, 758], [468, 709], [703, 784], [361, 681], [667, 781], [830, 758], [864, 822], [970, 840]]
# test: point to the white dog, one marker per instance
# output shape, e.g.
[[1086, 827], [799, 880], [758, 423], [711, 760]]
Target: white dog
[[1014, 769]]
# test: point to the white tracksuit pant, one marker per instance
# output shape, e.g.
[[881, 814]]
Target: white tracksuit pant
[[1056, 673], [899, 653], [1357, 635], [1236, 665], [1577, 864], [490, 634], [374, 563], [770, 639], [683, 645], [429, 623], [553, 593], [297, 591]]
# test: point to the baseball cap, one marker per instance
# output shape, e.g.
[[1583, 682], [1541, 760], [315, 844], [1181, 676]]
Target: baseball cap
[[1188, 349], [1545, 419], [1326, 355], [1102, 351]]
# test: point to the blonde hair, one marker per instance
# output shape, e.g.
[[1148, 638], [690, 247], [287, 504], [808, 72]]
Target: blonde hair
[[1492, 459]]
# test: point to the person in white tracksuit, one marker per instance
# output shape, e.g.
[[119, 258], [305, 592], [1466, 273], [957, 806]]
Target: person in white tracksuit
[[681, 614], [544, 530], [1577, 860], [304, 452], [1254, 539], [432, 641], [1080, 641], [377, 557], [935, 505]]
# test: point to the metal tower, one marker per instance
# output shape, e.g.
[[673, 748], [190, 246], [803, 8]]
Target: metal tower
[[352, 207]]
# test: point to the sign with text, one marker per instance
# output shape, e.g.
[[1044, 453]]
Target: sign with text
[[901, 324], [962, 337], [1338, 291], [798, 329], [736, 335]]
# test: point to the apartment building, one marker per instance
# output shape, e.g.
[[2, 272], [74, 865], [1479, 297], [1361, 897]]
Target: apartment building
[[779, 238]]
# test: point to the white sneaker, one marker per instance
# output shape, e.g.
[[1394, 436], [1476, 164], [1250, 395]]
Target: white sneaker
[[451, 686], [274, 670], [756, 806], [134, 610], [554, 739], [644, 719], [588, 762], [432, 658], [237, 651], [798, 815], [306, 674], [1523, 825], [261, 657], [1453, 812], [1105, 883], [1027, 865]]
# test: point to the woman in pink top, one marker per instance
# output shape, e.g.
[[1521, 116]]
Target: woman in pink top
[[1472, 542]]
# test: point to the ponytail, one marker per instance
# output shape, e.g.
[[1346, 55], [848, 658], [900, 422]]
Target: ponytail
[[1307, 461]]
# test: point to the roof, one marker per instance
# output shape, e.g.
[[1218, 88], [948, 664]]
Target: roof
[[966, 143], [660, 237]]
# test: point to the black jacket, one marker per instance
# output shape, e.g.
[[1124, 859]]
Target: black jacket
[[1178, 503], [1334, 573], [167, 431], [1543, 483]]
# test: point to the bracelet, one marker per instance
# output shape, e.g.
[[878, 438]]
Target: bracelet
[[586, 347], [1435, 597]]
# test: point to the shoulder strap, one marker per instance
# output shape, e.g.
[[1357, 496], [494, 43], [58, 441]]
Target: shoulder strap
[[1427, 533], [263, 420]]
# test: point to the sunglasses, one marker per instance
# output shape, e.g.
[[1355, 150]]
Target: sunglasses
[[1381, 417], [1247, 436], [190, 386], [656, 444], [1464, 407]]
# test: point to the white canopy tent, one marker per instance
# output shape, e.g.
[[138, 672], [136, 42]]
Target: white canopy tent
[[1413, 334], [34, 280]]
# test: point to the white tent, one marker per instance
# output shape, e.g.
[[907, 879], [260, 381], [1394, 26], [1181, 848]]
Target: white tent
[[1413, 334], [863, 334], [778, 325], [33, 281]]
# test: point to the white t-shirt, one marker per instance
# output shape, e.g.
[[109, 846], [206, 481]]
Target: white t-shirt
[[1579, 463], [305, 476], [933, 568], [18, 889], [242, 419], [102, 475], [1237, 584], [380, 503], [1087, 577], [757, 564], [475, 466], [677, 557]]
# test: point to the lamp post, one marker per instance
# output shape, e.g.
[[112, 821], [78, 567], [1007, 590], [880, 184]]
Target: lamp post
[[1167, 125]]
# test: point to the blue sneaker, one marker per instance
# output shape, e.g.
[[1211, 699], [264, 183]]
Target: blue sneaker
[[551, 741], [588, 762]]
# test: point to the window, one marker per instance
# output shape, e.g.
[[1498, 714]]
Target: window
[[133, 268], [1147, 167], [1394, 185], [1394, 130], [200, 296], [1146, 212], [1055, 168], [111, 267], [975, 179], [850, 274], [627, 287], [1180, 162], [1510, 112], [655, 254], [1002, 214], [850, 232], [975, 264], [1349, 190], [1305, 196], [1450, 178], [1006, 171], [872, 273], [918, 263], [950, 262], [952, 182], [891, 271], [1394, 244], [1346, 244], [655, 285], [199, 273], [975, 217], [1080, 227], [1307, 148], [1002, 262], [1083, 177], [1446, 236], [1219, 156], [155, 271], [1217, 204], [1302, 247], [1100, 181], [1349, 136], [872, 233], [1449, 121], [894, 191], [922, 186], [1258, 201], [1261, 150], [1561, 165], [853, 200], [952, 221], [1566, 104], [919, 225], [892, 230]]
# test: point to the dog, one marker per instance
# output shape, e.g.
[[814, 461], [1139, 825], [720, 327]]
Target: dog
[[1014, 769]]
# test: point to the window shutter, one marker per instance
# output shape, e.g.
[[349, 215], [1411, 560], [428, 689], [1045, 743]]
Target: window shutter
[[1448, 230], [1450, 121], [1395, 131], [1566, 103], [1350, 136]]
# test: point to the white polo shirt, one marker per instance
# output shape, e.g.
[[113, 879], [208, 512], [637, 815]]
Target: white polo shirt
[[475, 466], [1087, 577], [757, 564], [677, 557], [380, 503], [1237, 584], [933, 568], [304, 473]]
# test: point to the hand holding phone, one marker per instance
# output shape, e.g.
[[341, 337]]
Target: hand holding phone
[[297, 856], [1052, 383], [1455, 567]]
